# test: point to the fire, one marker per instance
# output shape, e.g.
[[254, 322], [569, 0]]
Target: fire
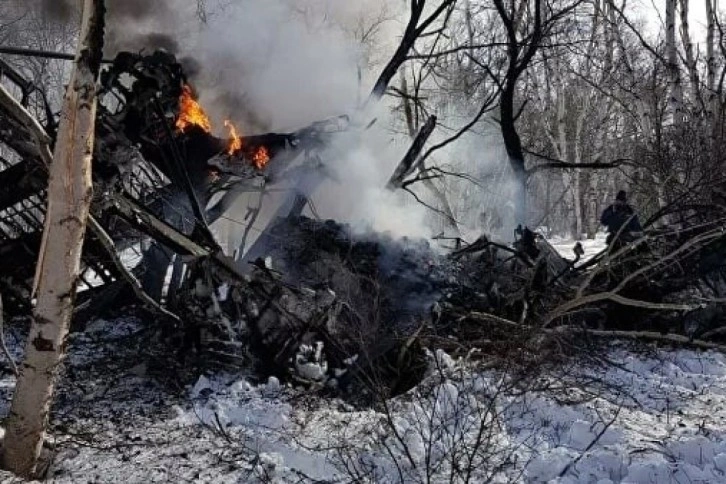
[[235, 142], [260, 157], [191, 113]]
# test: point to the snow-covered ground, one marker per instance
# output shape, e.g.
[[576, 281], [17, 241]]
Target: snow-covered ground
[[125, 413], [120, 416], [591, 247], [640, 419]]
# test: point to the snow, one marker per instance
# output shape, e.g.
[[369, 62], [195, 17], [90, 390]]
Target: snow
[[651, 420], [639, 417], [309, 363], [130, 257], [592, 247]]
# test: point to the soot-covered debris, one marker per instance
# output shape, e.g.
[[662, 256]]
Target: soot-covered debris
[[323, 304]]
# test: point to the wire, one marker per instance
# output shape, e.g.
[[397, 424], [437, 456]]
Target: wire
[[10, 50]]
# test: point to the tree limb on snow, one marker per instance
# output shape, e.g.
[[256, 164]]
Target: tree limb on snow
[[634, 335]]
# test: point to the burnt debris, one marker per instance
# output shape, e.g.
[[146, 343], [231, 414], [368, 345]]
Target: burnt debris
[[309, 300]]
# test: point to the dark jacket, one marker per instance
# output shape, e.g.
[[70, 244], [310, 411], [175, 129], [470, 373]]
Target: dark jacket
[[615, 216]]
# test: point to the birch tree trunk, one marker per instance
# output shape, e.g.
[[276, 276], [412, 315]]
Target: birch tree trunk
[[690, 57], [710, 57], [711, 98], [577, 153], [69, 199], [676, 99]]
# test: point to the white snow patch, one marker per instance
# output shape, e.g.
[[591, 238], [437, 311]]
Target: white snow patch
[[592, 247], [652, 420]]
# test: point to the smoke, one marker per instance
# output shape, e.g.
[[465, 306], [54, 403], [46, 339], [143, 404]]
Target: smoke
[[264, 61], [131, 25], [268, 66], [362, 163], [60, 10], [484, 200], [280, 65]]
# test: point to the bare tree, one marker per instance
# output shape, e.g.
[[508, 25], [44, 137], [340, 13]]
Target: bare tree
[[69, 199], [527, 24], [417, 26]]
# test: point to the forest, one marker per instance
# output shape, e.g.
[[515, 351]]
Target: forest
[[381, 241]]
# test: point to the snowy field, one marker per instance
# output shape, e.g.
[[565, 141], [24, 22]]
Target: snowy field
[[642, 418], [125, 413]]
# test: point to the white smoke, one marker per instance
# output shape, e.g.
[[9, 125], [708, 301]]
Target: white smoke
[[287, 76], [483, 201], [362, 164], [285, 62], [280, 65]]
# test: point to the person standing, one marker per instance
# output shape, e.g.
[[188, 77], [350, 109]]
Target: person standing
[[621, 220]]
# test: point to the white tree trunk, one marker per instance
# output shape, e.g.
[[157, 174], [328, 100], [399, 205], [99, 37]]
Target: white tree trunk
[[69, 199], [710, 57], [676, 100], [577, 153], [711, 97], [688, 49]]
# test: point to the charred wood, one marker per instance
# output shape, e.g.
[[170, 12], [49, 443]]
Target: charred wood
[[409, 161]]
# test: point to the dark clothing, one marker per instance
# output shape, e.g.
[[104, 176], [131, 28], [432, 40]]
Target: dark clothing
[[616, 216]]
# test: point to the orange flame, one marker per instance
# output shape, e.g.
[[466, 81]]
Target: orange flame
[[191, 113], [260, 157], [235, 142]]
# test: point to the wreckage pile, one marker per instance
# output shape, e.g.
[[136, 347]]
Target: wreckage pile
[[310, 300], [323, 305]]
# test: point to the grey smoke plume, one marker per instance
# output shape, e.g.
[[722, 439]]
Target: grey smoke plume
[[283, 71], [63, 10], [268, 66], [280, 65], [60, 10], [130, 24]]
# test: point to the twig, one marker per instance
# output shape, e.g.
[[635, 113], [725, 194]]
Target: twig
[[635, 335], [220, 427], [592, 443], [13, 366], [652, 336]]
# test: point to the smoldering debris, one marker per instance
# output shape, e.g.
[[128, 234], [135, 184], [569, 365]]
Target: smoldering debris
[[323, 306], [319, 284]]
